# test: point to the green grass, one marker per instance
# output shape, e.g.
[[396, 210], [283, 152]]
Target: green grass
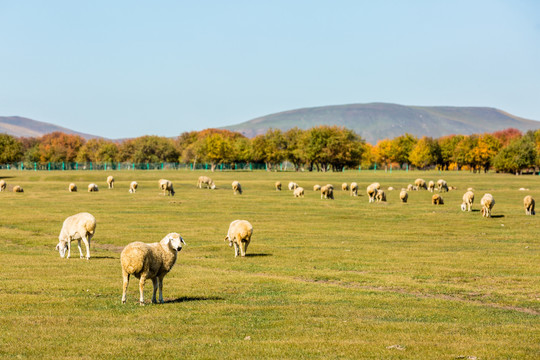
[[324, 279]]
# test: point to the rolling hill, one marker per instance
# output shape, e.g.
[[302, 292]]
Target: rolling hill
[[376, 121], [20, 126]]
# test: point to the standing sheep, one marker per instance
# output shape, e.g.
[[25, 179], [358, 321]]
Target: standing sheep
[[381, 196], [420, 183], [133, 187], [437, 200], [167, 187], [344, 187], [403, 196], [205, 180], [327, 192], [372, 192], [92, 187], [239, 235], [278, 185], [2, 185], [442, 185], [110, 181], [487, 204], [292, 185], [354, 189], [18, 188], [81, 226], [316, 187], [299, 192], [468, 200], [431, 186], [150, 261], [72, 187], [237, 188], [528, 203]]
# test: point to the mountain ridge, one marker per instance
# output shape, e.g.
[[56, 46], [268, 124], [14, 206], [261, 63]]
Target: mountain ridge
[[24, 127]]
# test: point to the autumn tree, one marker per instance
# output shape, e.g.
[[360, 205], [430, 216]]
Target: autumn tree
[[401, 147], [383, 151], [426, 152], [485, 150], [98, 150], [447, 146], [58, 147], [507, 135]]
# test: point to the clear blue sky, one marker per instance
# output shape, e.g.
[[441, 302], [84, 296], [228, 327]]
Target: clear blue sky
[[131, 68]]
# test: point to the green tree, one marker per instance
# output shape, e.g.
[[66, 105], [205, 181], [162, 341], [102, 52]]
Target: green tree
[[11, 149], [401, 147], [447, 146], [518, 155], [425, 153], [294, 151]]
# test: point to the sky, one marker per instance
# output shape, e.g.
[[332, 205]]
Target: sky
[[122, 69]]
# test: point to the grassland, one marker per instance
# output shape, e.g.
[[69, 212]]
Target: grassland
[[324, 279]]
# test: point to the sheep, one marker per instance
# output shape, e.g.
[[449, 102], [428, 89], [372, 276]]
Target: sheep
[[237, 188], [239, 235], [376, 185], [410, 187], [299, 192], [523, 189], [205, 180], [150, 261], [487, 203], [167, 187], [468, 200], [345, 187], [450, 188], [327, 192], [437, 200], [403, 195], [372, 192], [81, 226], [330, 186], [354, 189], [528, 203], [110, 181], [2, 185], [420, 183], [316, 187], [292, 185], [470, 189], [278, 185], [442, 185], [18, 188], [133, 187], [380, 196], [391, 188], [92, 187], [72, 187], [431, 186]]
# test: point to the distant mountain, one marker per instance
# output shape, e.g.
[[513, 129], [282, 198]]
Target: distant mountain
[[377, 121], [19, 126]]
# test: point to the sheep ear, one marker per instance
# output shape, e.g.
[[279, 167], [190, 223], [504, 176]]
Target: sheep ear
[[182, 240]]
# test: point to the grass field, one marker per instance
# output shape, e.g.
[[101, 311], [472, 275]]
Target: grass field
[[323, 279]]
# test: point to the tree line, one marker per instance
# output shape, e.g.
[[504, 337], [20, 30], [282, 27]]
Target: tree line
[[321, 148]]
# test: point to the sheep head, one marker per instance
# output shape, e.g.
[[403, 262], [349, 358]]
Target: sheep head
[[62, 246], [173, 241]]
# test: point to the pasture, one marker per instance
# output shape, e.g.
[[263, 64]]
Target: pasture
[[323, 279]]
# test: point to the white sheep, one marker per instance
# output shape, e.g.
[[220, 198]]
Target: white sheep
[[72, 187], [239, 235], [420, 183], [278, 185], [18, 188], [442, 185], [110, 181], [391, 188], [299, 192], [528, 203], [487, 203], [470, 189], [205, 180], [372, 192], [2, 185], [317, 187], [376, 185], [167, 187], [133, 187], [150, 261], [327, 192], [468, 200], [431, 186], [403, 195], [237, 188], [92, 187], [345, 187], [81, 226], [354, 189], [437, 200], [410, 187], [292, 185], [380, 196]]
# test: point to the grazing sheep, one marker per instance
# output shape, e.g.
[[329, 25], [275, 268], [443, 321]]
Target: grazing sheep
[[450, 188], [381, 196], [110, 181], [81, 226], [299, 192], [278, 185], [92, 187], [166, 186], [487, 203], [205, 180], [327, 192], [133, 187], [470, 189], [2, 185], [372, 192], [523, 189], [403, 195], [391, 188], [437, 200], [150, 261], [442, 185], [431, 186], [468, 200], [354, 189], [344, 187], [18, 188], [376, 185], [316, 187], [237, 188], [420, 183], [239, 235], [72, 187], [528, 203], [410, 187], [292, 185]]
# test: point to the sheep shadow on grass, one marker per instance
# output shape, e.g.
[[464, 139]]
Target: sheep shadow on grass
[[497, 216], [192, 298], [258, 255]]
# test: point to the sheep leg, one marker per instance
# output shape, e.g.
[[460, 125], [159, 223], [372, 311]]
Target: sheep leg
[[141, 288], [155, 284], [79, 246], [69, 248], [235, 249], [86, 242], [125, 278], [160, 285], [245, 248]]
